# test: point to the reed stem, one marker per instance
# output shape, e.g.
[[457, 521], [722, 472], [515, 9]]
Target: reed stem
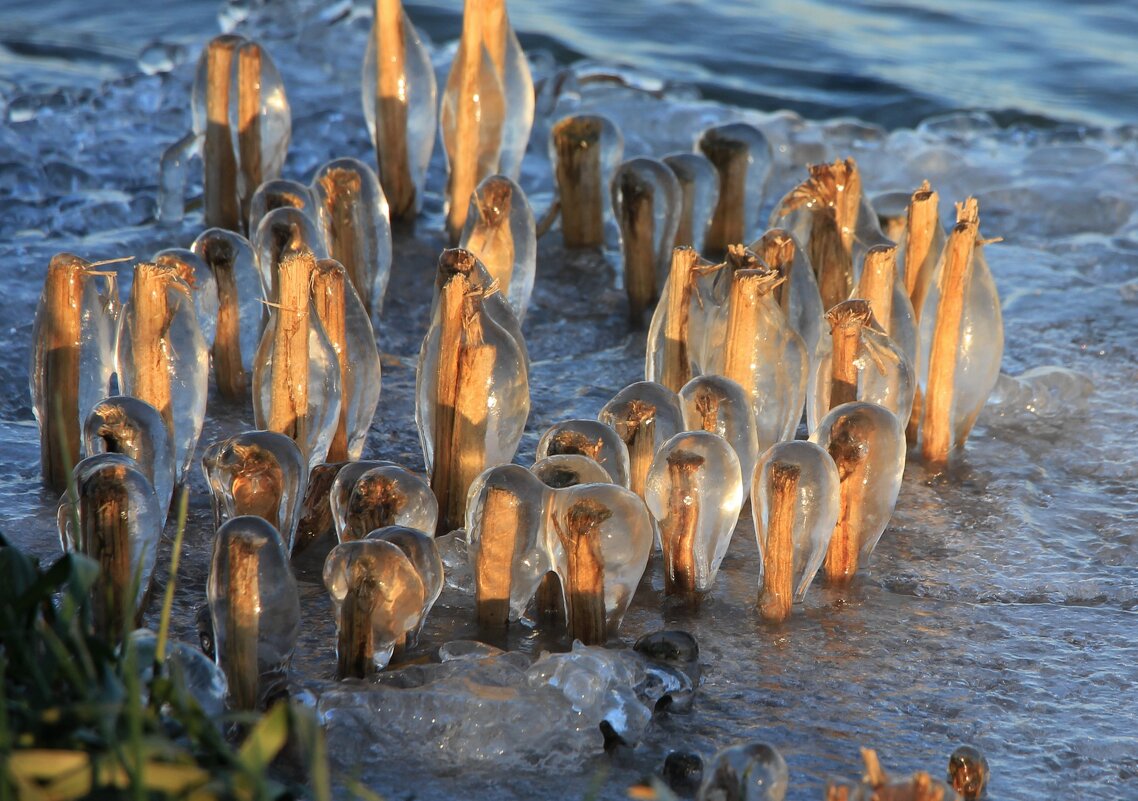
[[375, 502], [329, 286], [580, 537], [878, 280], [316, 510], [218, 159], [638, 225], [105, 517], [355, 647], [391, 101], [579, 183], [288, 398], [493, 241], [846, 449], [748, 286], [249, 147], [777, 250], [493, 577], [921, 231], [467, 140], [238, 650], [676, 368], [228, 367], [683, 521], [62, 332], [846, 321], [777, 591], [152, 318], [730, 158]]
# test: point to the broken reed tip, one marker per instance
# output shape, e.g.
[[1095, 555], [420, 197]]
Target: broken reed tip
[[850, 313]]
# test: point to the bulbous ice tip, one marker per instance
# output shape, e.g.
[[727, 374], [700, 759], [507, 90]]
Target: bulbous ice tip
[[968, 772], [682, 771], [581, 130], [457, 262], [494, 198]]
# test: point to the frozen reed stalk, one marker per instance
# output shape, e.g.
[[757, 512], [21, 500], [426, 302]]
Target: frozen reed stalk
[[637, 428], [846, 321], [683, 517], [500, 540], [249, 144], [635, 197], [465, 363], [876, 285], [742, 156], [288, 393], [149, 300], [329, 284], [238, 652], [777, 591], [222, 209], [748, 287], [391, 101], [580, 183], [937, 420], [228, 364], [776, 249], [500, 232], [579, 535], [676, 369], [355, 644], [921, 229], [132, 427], [316, 518]]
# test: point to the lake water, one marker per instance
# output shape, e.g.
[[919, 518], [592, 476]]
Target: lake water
[[1000, 607]]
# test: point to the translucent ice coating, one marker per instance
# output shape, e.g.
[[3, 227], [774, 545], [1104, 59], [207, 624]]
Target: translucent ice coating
[[255, 609], [472, 389], [203, 286], [281, 193], [487, 106], [588, 438], [862, 363], [695, 492], [356, 221], [420, 548], [829, 214], [645, 202], [399, 93], [506, 542], [742, 157], [345, 322], [192, 671], [119, 527], [962, 339], [795, 502], [280, 230], [500, 232], [748, 772], [73, 358], [719, 405], [240, 109], [600, 536], [240, 314], [163, 358], [569, 470], [867, 443], [296, 381], [762, 353], [134, 428], [797, 296], [676, 337], [379, 597], [260, 473], [644, 415], [342, 483], [385, 495], [585, 150], [699, 195]]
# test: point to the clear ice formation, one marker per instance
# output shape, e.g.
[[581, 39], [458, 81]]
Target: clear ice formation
[[695, 492], [795, 502], [742, 157], [981, 341], [344, 481], [867, 443], [585, 150], [73, 358], [884, 372], [420, 548], [283, 229], [191, 671], [798, 296], [119, 525], [379, 597], [699, 195], [400, 102], [568, 470], [259, 473], [500, 232], [255, 609], [281, 193], [719, 405], [345, 322], [203, 286], [163, 358], [644, 415], [381, 496], [883, 285], [588, 438], [646, 201], [684, 325], [745, 772], [356, 223], [241, 312], [134, 428]]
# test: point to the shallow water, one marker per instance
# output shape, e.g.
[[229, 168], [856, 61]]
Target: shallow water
[[999, 608]]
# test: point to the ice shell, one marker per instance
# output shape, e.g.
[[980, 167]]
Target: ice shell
[[695, 492], [281, 229], [588, 438], [817, 503], [186, 357], [500, 232], [260, 473], [699, 195], [867, 442], [747, 772], [384, 495], [742, 156], [192, 671], [644, 415], [417, 101], [568, 470], [719, 405], [399, 608], [420, 548], [582, 132], [251, 587], [126, 425], [344, 482], [804, 306], [281, 193], [700, 310], [240, 294], [203, 286], [356, 223], [644, 180]]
